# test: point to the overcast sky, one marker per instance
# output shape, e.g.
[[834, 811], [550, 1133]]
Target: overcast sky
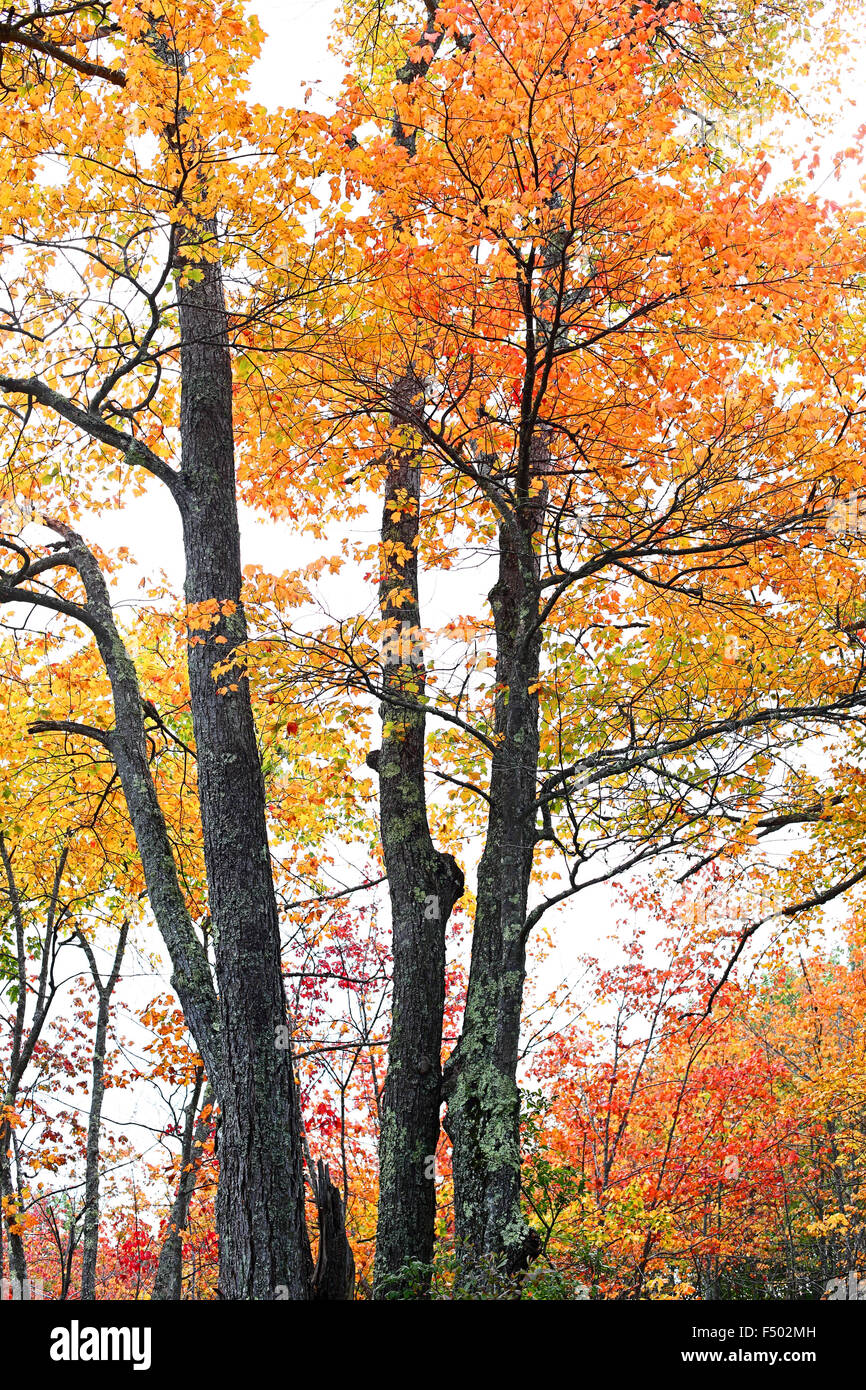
[[296, 52]]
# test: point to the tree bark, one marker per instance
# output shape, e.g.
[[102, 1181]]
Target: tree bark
[[334, 1276], [17, 1253], [423, 886], [264, 1248], [483, 1117]]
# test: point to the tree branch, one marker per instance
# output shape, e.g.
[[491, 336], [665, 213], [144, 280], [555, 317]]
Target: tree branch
[[93, 425]]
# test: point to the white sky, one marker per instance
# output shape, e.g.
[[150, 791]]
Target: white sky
[[296, 52]]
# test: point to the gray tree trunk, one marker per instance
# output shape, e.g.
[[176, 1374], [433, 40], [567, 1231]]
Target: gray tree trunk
[[334, 1275], [483, 1116], [423, 885], [169, 1273], [17, 1253], [264, 1248]]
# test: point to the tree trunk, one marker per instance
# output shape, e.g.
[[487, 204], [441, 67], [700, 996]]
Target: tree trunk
[[90, 1240], [334, 1275], [17, 1254], [423, 885], [483, 1117], [24, 1042], [264, 1249], [169, 1273], [191, 977]]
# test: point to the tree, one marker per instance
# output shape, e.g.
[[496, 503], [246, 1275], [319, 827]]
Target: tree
[[27, 1026], [104, 991], [167, 1284], [162, 246], [568, 340], [589, 360]]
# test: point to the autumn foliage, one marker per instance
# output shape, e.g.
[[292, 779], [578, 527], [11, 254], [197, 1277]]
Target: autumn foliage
[[482, 887]]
